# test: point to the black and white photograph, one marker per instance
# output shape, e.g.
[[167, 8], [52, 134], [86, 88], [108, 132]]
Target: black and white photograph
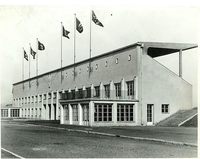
[[99, 79]]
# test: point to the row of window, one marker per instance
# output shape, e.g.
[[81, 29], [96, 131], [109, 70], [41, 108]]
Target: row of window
[[103, 112], [87, 92], [29, 112]]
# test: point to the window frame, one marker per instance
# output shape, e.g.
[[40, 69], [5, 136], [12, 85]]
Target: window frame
[[165, 108]]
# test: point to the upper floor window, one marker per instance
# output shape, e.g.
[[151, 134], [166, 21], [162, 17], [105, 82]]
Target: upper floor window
[[88, 92], [165, 108], [106, 63], [118, 89], [130, 88], [97, 91], [96, 66], [80, 93], [72, 94], [107, 91]]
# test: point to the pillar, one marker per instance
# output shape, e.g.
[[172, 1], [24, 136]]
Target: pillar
[[92, 90], [52, 106], [114, 112], [101, 91], [80, 114], [70, 114], [61, 114], [136, 90], [91, 113], [47, 108], [123, 90], [57, 105], [43, 114], [180, 63], [112, 90]]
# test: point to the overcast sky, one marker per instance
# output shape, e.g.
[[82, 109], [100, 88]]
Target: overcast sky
[[123, 25]]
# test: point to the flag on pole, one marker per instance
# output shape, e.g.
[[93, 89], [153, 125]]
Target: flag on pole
[[79, 26], [33, 53], [40, 46], [65, 33], [25, 55], [95, 20]]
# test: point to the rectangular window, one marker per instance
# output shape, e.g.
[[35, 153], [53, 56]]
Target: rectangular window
[[88, 92], [107, 91], [85, 112], [125, 112], [66, 112], [97, 91], [118, 89], [103, 112], [130, 88], [165, 108], [73, 94], [80, 93], [75, 112]]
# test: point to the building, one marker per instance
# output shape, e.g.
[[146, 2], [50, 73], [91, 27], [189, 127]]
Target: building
[[8, 111], [126, 86]]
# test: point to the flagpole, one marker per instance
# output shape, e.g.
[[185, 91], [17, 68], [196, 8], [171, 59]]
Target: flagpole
[[61, 50], [23, 67], [74, 42], [90, 54], [29, 65], [37, 62]]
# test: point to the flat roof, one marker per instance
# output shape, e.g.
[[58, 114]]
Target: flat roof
[[154, 49]]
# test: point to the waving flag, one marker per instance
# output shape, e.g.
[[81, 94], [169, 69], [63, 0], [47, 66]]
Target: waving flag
[[33, 53], [79, 26], [65, 33], [25, 55], [40, 46], [95, 20]]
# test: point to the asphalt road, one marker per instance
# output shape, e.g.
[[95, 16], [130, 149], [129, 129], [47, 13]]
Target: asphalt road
[[39, 142]]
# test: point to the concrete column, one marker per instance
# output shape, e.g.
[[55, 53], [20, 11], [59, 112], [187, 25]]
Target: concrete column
[[47, 108], [114, 112], [180, 63], [101, 91], [80, 114], [70, 114], [92, 90], [123, 88], [91, 113], [52, 106], [61, 114], [136, 90], [57, 105], [43, 115], [112, 90], [9, 113]]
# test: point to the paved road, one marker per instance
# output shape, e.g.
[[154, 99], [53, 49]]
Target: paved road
[[39, 142]]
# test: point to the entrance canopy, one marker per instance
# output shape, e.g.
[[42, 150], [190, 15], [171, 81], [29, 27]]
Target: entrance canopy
[[155, 49]]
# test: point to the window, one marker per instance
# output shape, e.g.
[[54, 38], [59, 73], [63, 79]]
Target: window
[[88, 92], [130, 88], [85, 112], [40, 113], [125, 112], [67, 112], [118, 89], [165, 108], [80, 93], [116, 60], [75, 112], [72, 94], [129, 57], [107, 91], [36, 112], [103, 112], [97, 91]]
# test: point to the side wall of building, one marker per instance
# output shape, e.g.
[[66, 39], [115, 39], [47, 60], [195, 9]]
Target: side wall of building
[[162, 86]]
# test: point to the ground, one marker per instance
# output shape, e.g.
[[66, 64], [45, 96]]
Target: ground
[[37, 141]]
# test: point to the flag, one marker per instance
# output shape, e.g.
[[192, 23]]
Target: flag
[[40, 46], [33, 53], [65, 33], [95, 20], [79, 26], [25, 55]]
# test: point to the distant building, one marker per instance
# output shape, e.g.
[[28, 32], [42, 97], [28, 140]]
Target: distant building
[[126, 86]]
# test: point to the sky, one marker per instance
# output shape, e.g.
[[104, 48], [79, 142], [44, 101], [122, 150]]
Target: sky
[[124, 24]]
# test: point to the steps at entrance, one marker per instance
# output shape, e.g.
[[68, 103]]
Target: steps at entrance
[[178, 117]]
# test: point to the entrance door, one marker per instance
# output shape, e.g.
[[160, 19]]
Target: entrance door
[[149, 114], [85, 114]]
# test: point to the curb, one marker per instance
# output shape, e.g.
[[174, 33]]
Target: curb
[[122, 136]]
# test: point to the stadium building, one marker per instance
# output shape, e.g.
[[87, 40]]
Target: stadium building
[[126, 86]]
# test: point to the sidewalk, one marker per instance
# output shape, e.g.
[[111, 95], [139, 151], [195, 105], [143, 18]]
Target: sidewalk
[[176, 135]]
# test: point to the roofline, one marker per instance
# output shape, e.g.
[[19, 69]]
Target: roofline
[[83, 61]]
